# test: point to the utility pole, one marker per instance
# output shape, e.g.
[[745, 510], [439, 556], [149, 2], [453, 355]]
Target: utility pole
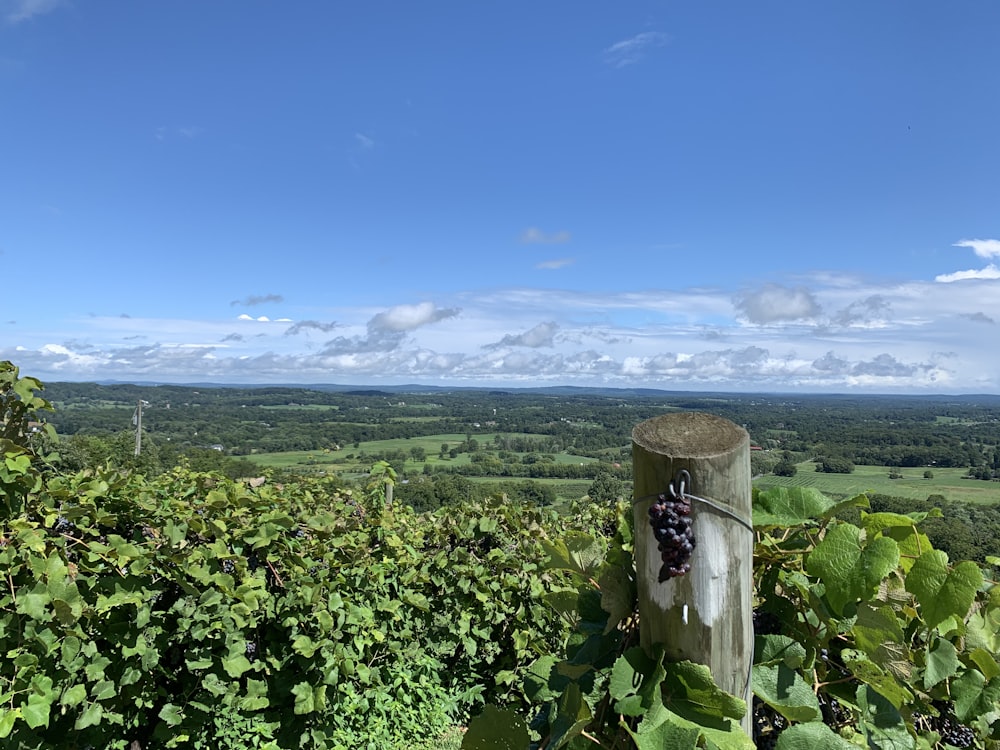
[[137, 421]]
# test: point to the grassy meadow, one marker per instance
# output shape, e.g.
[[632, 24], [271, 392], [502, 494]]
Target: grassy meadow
[[875, 480], [346, 460]]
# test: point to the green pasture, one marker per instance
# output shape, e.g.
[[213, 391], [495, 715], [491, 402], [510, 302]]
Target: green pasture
[[345, 458], [875, 480]]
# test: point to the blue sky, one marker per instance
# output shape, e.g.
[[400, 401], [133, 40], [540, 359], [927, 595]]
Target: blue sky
[[769, 196]]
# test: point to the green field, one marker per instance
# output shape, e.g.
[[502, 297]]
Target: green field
[[345, 459], [566, 490], [875, 480]]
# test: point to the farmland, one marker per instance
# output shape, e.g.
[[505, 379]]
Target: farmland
[[950, 483], [560, 439]]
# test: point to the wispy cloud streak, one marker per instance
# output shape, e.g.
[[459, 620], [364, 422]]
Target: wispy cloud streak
[[632, 50]]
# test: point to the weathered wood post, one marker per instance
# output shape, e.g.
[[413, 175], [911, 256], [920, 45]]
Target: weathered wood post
[[705, 616]]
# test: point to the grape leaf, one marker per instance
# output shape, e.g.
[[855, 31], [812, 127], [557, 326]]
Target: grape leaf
[[650, 735], [635, 682], [7, 720], [785, 691], [942, 593], [691, 692], [974, 696], [571, 718], [36, 711], [618, 593], [942, 663], [775, 649], [878, 633], [172, 715], [575, 551], [986, 662], [789, 506], [812, 736], [881, 722], [496, 729], [849, 570], [543, 682]]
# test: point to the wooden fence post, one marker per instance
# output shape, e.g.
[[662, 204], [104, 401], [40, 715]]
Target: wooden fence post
[[705, 616]]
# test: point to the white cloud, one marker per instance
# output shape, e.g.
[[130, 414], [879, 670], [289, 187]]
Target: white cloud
[[774, 303], [979, 317], [364, 141], [630, 51], [866, 312], [535, 236], [310, 325], [17, 11], [982, 248], [541, 335], [410, 317], [881, 337], [990, 272], [883, 365]]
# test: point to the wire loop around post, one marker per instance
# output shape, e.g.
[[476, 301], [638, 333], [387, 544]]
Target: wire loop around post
[[682, 480]]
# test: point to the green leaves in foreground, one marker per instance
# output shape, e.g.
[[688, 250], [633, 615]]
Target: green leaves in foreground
[[943, 593], [850, 567], [812, 736], [789, 506], [496, 729], [784, 690], [679, 704]]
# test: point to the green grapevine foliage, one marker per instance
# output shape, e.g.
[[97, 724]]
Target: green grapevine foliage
[[866, 636], [191, 609], [195, 611]]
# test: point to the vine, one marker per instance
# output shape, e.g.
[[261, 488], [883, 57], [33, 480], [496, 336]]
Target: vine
[[865, 636], [194, 611]]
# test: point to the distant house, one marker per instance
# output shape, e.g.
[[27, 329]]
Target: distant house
[[217, 447]]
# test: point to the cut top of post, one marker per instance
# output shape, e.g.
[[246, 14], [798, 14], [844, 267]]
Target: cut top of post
[[689, 435]]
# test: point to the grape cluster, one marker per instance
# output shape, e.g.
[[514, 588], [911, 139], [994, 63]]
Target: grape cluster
[[670, 518], [959, 735], [767, 725], [765, 623], [835, 714], [952, 731]]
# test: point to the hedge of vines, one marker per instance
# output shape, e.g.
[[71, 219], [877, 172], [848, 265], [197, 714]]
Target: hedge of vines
[[196, 611]]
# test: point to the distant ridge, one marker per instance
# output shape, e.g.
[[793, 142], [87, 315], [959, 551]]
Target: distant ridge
[[553, 390]]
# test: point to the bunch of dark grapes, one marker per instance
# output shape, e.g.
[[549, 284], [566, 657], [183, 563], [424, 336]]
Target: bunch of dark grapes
[[765, 623], [767, 725], [959, 735], [670, 518], [228, 567], [835, 714], [952, 731]]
